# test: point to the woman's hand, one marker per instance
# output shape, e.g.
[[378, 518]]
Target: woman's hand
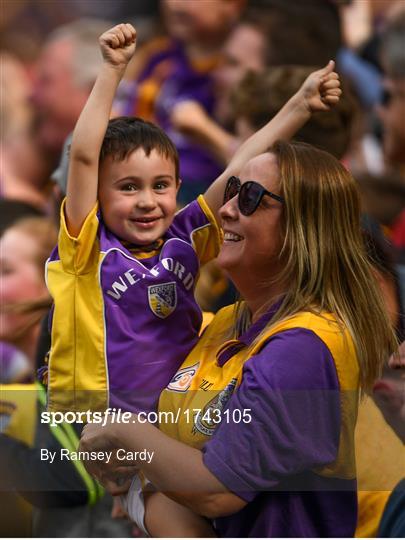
[[320, 90], [118, 45], [113, 473]]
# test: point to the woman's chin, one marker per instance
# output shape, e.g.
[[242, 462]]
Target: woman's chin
[[230, 255], [226, 261]]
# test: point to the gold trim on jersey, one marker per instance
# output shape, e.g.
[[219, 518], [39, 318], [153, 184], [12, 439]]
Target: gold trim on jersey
[[211, 379]]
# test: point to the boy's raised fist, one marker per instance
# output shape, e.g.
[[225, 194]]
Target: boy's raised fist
[[118, 44]]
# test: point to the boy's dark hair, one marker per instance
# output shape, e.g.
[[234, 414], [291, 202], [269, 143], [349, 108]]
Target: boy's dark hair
[[126, 134]]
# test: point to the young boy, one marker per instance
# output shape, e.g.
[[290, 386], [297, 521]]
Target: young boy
[[123, 274]]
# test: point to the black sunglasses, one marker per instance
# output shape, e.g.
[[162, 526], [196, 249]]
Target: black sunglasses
[[249, 194]]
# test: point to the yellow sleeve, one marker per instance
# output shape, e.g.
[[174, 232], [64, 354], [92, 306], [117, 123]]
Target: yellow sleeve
[[207, 240], [79, 255]]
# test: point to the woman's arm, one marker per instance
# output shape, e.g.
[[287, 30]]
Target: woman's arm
[[195, 487], [319, 92], [242, 460]]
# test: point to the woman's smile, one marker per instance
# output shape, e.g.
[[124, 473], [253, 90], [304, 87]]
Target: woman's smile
[[232, 237]]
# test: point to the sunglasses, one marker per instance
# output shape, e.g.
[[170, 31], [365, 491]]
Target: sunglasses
[[250, 194]]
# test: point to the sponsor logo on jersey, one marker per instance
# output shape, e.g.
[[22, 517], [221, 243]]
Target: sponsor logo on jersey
[[163, 299], [182, 380], [210, 416]]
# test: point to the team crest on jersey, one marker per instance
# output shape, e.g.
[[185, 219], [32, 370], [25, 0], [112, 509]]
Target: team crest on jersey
[[163, 299], [210, 416], [182, 380]]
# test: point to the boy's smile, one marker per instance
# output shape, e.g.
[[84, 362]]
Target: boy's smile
[[138, 196]]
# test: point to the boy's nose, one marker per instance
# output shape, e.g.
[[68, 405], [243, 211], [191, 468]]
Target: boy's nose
[[146, 200]]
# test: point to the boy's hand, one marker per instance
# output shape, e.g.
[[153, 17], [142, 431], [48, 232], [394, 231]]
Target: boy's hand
[[320, 90], [118, 45]]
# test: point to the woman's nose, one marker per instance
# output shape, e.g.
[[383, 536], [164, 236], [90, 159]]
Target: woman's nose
[[229, 210]]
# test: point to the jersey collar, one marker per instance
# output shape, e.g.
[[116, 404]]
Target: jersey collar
[[232, 347]]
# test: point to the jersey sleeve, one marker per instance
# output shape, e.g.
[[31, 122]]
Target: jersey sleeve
[[79, 255], [291, 391], [196, 224]]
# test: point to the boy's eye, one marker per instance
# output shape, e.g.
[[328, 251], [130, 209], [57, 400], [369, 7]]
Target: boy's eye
[[160, 185], [129, 187]]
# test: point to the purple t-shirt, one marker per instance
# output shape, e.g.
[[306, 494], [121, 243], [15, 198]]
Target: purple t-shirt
[[292, 390]]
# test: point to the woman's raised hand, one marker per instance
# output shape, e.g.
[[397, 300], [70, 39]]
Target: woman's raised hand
[[118, 45], [321, 89]]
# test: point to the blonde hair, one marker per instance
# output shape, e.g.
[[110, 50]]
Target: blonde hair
[[325, 261]]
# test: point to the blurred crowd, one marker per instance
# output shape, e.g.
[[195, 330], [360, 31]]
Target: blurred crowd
[[210, 73]]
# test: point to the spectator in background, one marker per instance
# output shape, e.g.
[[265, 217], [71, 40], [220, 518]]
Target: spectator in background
[[23, 164], [65, 73], [255, 100], [259, 98], [273, 34], [380, 436], [389, 394], [61, 492], [392, 110], [24, 298], [392, 115], [12, 211], [383, 196], [179, 68]]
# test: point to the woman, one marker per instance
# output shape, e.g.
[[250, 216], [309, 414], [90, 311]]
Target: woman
[[24, 298], [270, 392]]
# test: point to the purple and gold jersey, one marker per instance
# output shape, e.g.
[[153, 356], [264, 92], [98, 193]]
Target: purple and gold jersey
[[124, 321], [275, 421]]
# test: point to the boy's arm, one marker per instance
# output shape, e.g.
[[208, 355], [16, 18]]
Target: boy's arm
[[319, 92], [117, 46]]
